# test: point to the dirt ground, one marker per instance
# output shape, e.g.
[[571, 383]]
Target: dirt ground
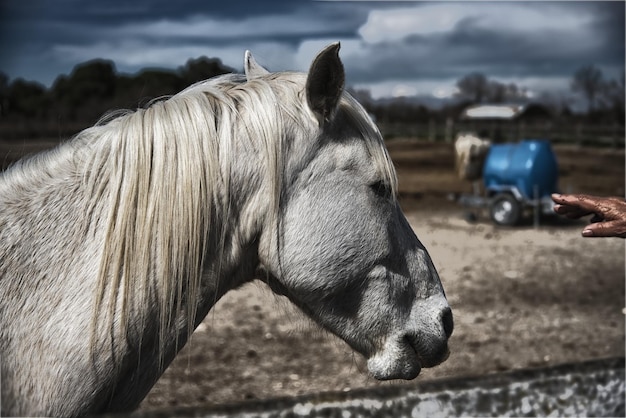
[[522, 297]]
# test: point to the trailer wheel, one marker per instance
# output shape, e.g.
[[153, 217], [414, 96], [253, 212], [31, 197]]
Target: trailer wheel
[[505, 210]]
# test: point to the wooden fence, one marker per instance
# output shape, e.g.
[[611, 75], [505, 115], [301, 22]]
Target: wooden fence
[[574, 133], [557, 132]]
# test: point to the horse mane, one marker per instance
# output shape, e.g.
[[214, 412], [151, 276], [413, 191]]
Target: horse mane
[[159, 187]]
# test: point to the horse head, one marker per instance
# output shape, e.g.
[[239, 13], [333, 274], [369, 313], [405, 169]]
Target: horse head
[[343, 251]]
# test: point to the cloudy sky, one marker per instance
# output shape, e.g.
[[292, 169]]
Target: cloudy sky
[[388, 47]]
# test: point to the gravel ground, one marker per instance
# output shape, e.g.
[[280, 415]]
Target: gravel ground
[[522, 297]]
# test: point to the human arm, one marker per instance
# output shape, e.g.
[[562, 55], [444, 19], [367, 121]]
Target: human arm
[[609, 218]]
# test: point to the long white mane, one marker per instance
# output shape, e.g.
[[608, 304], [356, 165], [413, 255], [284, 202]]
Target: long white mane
[[159, 185]]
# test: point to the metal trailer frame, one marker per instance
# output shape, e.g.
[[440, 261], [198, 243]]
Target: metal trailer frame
[[506, 204]]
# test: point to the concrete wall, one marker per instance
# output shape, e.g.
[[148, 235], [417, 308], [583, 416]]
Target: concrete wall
[[593, 388]]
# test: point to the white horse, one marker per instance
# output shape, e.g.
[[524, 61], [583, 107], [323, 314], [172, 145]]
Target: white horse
[[115, 245], [470, 153]]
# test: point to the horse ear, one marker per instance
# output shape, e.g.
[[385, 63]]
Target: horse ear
[[325, 83], [252, 68]]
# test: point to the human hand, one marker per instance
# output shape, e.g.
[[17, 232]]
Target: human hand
[[609, 218]]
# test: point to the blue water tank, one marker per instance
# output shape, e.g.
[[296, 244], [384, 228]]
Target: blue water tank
[[524, 165]]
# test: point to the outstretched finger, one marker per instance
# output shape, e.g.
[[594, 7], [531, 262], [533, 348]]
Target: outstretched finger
[[584, 203], [606, 229], [572, 212]]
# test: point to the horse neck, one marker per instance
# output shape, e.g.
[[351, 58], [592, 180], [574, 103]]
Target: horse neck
[[213, 205]]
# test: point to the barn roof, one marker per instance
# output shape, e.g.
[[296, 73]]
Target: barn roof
[[503, 111]]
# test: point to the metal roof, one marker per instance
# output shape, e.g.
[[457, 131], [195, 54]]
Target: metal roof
[[507, 112]]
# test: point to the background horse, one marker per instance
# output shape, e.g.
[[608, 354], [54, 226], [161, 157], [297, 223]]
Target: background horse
[[115, 245], [470, 153]]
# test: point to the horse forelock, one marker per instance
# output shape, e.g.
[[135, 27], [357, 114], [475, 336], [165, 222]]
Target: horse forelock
[[372, 137]]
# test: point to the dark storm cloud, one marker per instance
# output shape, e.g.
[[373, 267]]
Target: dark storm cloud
[[382, 41], [61, 20], [123, 11], [609, 24], [37, 31], [499, 52]]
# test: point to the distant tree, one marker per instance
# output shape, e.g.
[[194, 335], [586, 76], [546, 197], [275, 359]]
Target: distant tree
[[477, 88], [95, 78], [4, 93], [91, 79], [202, 68], [474, 87], [26, 98], [153, 83], [613, 95], [86, 92], [589, 81], [513, 91], [496, 92]]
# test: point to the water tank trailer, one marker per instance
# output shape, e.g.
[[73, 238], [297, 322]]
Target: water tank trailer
[[516, 177]]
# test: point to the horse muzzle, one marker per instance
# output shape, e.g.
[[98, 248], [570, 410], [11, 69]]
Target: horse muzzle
[[405, 353]]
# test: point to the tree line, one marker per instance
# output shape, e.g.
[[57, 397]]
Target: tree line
[[604, 99], [93, 88], [78, 100]]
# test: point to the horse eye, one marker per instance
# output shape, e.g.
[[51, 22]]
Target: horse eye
[[381, 189]]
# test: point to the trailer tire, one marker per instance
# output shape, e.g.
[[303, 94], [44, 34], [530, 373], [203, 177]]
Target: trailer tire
[[505, 209]]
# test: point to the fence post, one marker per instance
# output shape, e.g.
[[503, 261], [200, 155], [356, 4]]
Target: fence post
[[431, 130], [537, 206], [449, 129]]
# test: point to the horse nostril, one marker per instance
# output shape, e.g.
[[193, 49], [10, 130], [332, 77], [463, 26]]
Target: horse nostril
[[447, 321]]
